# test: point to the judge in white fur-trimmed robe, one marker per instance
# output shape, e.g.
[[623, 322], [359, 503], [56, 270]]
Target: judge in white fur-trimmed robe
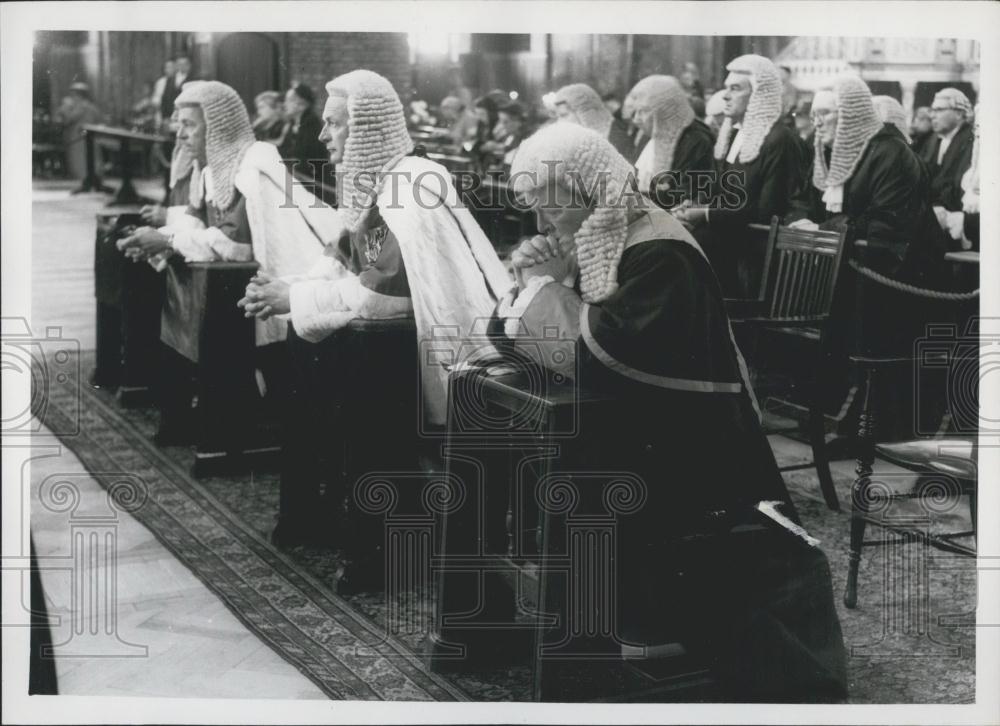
[[407, 248], [241, 207], [640, 315]]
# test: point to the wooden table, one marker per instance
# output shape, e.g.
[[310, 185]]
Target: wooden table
[[129, 299], [126, 194], [535, 516]]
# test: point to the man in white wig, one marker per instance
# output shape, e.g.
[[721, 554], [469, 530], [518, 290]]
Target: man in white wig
[[406, 248], [867, 178], [679, 144], [641, 317], [865, 175], [950, 154], [238, 210], [761, 165], [581, 104]]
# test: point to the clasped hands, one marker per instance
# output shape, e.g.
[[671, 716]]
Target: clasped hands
[[544, 255], [144, 243], [266, 296]]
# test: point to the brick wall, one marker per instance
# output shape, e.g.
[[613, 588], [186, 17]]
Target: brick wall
[[316, 58]]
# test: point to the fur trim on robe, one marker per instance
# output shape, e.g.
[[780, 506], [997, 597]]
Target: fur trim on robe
[[287, 239], [454, 274]]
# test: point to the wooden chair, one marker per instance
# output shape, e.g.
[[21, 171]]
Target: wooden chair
[[801, 271], [945, 468]]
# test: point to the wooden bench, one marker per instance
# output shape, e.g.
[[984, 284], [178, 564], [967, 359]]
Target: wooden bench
[[129, 299], [526, 556], [202, 323]]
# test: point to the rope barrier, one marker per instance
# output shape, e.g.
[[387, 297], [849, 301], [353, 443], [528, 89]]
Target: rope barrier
[[912, 289]]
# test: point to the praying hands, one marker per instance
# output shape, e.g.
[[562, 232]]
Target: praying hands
[[543, 255], [266, 296]]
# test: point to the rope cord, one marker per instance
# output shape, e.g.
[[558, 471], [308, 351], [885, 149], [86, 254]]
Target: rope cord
[[912, 289]]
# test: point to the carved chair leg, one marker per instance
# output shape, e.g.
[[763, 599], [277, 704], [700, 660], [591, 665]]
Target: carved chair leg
[[859, 492]]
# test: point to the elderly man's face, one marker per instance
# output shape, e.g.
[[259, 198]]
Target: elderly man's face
[[944, 117], [335, 129], [824, 117], [183, 66], [559, 209], [643, 115], [191, 131], [737, 95]]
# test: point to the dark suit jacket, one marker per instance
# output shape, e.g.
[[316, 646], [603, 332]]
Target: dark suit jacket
[[946, 177], [769, 182], [170, 93]]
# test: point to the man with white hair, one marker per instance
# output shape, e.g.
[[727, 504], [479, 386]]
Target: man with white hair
[[406, 248], [580, 104], [629, 306], [680, 143], [757, 153], [237, 211], [950, 153]]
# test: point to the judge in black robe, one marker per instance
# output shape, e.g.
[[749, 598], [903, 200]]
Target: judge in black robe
[[761, 166], [692, 154], [947, 171], [748, 193], [653, 334], [679, 143], [887, 204], [884, 200]]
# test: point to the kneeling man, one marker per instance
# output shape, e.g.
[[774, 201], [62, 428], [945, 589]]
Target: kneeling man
[[407, 249], [641, 316]]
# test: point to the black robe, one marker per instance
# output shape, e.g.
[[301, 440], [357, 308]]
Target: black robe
[[768, 184], [759, 611], [693, 153], [886, 203], [620, 137], [946, 177]]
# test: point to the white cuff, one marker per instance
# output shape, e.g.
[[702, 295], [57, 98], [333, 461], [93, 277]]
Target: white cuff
[[514, 303], [318, 308]]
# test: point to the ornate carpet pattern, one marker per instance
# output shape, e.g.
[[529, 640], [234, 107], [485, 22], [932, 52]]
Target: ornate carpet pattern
[[909, 641]]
